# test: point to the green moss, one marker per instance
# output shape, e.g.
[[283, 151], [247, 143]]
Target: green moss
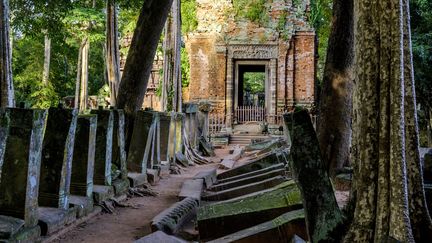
[[253, 10], [283, 195]]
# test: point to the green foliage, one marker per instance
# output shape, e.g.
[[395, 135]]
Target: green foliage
[[254, 82], [185, 68], [320, 18], [253, 10], [189, 16]]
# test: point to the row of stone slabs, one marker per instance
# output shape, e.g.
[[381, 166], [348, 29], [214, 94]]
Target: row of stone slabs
[[243, 206], [54, 164]]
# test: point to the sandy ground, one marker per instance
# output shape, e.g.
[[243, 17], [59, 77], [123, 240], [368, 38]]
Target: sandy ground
[[129, 224]]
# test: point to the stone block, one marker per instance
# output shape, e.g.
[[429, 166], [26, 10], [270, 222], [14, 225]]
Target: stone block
[[121, 187], [191, 188], [119, 159], [104, 145], [84, 157], [247, 180], [153, 176], [142, 125], [57, 154], [164, 129], [13, 230], [282, 229], [175, 139], [243, 190], [222, 218], [82, 205], [160, 236], [102, 193], [253, 173], [171, 219], [137, 179], [208, 176], [52, 220], [426, 155], [20, 160]]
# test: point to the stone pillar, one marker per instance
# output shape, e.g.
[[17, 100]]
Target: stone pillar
[[104, 144], [203, 118], [143, 122], [165, 121], [229, 95], [119, 152], [21, 138], [57, 154], [273, 90], [84, 156], [175, 136]]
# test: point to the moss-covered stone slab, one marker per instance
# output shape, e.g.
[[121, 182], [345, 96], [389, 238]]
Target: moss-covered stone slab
[[254, 165], [84, 157], [102, 193], [175, 139], [119, 159], [137, 179], [13, 230], [279, 230], [253, 173], [20, 160], [222, 218], [247, 180], [57, 154], [243, 190], [104, 145], [121, 187], [83, 205]]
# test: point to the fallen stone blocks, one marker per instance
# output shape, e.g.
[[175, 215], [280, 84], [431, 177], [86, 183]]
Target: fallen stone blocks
[[282, 229], [172, 218], [208, 176], [21, 142], [192, 189], [226, 217], [252, 173], [160, 236]]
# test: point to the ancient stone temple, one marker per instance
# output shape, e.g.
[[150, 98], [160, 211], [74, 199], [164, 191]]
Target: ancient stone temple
[[229, 44]]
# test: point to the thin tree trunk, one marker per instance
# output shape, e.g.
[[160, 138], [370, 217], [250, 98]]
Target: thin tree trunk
[[177, 55], [334, 126], [112, 51], [78, 79], [84, 75], [167, 48], [140, 58], [7, 98], [47, 61], [429, 126], [389, 190]]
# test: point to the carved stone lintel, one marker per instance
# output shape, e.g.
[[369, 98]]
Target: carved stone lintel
[[253, 51]]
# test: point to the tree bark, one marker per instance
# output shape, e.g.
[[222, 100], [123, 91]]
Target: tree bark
[[177, 56], [47, 61], [389, 190], [112, 51], [167, 65], [140, 59], [334, 129], [78, 79], [84, 75], [7, 98]]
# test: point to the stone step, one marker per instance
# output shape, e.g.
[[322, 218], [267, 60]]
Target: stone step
[[192, 188], [209, 177], [253, 173], [247, 180], [282, 229], [243, 190], [160, 236]]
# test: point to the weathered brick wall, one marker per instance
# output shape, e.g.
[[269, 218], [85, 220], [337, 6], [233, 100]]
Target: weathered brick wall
[[304, 67]]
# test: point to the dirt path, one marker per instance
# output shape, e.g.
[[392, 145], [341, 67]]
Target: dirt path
[[128, 224]]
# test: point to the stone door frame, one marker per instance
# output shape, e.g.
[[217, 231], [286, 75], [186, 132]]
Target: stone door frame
[[250, 54]]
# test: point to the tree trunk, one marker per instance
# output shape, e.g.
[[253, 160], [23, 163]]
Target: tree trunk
[[47, 60], [429, 126], [140, 58], [7, 98], [177, 56], [78, 79], [388, 189], [112, 51], [334, 129], [84, 75], [167, 65]]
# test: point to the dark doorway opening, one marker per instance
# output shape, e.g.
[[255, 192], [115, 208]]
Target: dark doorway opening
[[252, 85]]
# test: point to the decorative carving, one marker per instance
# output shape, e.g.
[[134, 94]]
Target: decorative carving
[[253, 51]]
